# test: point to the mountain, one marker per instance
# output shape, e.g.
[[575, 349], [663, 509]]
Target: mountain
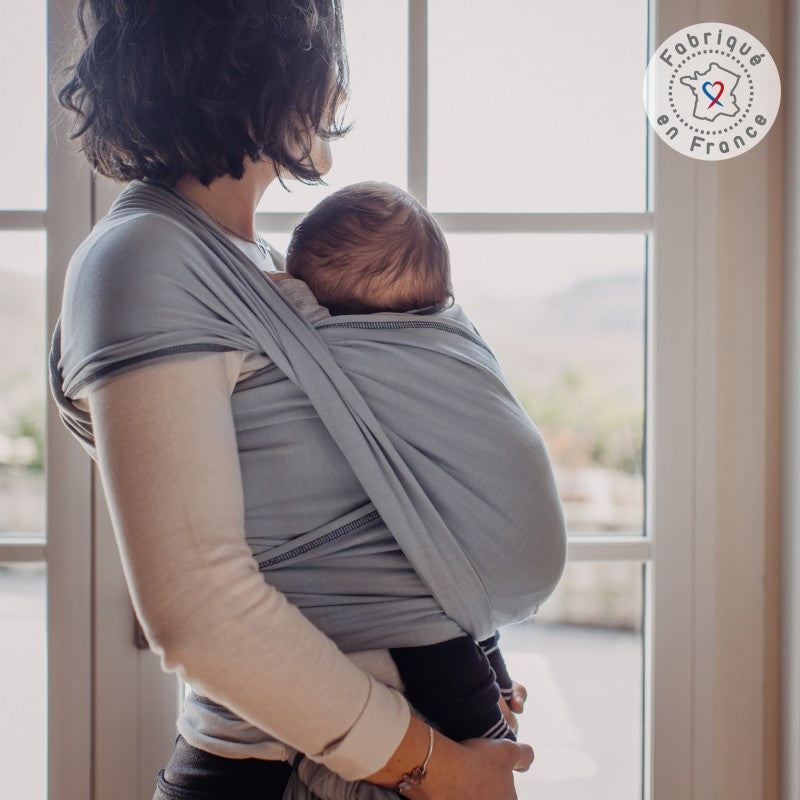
[[595, 326]]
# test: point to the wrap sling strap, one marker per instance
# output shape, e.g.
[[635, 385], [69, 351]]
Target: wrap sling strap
[[483, 528]]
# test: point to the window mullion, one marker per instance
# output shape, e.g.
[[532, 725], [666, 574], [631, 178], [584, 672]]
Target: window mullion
[[465, 222], [418, 99], [22, 220], [69, 526], [22, 549], [490, 222], [609, 548]]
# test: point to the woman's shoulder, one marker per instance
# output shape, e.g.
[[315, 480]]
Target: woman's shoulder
[[119, 239], [141, 259], [136, 290]]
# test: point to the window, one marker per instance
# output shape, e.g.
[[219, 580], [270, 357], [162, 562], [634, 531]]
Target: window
[[607, 273], [23, 243], [549, 246]]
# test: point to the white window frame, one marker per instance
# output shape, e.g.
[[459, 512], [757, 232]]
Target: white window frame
[[713, 526], [790, 722]]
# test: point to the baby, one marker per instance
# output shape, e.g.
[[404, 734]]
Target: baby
[[371, 247]]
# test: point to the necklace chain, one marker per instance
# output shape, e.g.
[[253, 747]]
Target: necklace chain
[[258, 241]]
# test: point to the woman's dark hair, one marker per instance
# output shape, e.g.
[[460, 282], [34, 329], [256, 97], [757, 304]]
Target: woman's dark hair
[[371, 247], [166, 88]]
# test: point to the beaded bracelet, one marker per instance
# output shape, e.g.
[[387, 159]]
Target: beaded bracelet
[[415, 777]]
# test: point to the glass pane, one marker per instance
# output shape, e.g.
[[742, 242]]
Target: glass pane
[[564, 314], [23, 681], [23, 88], [377, 47], [581, 661], [22, 382], [536, 106]]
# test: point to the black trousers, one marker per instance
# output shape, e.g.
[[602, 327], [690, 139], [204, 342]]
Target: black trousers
[[193, 774]]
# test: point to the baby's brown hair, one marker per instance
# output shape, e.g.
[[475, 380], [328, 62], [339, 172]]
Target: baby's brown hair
[[371, 247]]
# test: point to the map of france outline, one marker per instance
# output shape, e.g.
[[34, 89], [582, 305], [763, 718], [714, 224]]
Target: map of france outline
[[729, 79]]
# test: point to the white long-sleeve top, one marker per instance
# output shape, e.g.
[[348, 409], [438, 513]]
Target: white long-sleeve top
[[170, 468]]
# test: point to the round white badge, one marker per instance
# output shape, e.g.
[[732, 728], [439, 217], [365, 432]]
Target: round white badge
[[712, 91]]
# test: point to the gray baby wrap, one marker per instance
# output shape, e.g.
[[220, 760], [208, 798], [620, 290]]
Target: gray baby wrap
[[441, 460]]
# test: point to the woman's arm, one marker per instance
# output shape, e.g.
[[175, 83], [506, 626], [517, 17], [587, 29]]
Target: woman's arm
[[170, 469], [169, 465]]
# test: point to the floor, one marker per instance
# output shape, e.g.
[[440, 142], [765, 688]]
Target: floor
[[583, 716]]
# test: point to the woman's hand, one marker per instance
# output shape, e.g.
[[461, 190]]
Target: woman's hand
[[484, 771], [519, 694], [478, 769], [516, 705], [510, 716]]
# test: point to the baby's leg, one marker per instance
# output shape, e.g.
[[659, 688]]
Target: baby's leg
[[491, 647], [453, 684]]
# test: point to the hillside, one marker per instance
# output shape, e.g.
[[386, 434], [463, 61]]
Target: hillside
[[595, 326], [23, 351]]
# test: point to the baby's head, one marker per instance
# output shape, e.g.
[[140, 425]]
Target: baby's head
[[371, 247]]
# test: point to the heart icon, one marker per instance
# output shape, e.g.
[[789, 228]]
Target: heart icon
[[714, 100]]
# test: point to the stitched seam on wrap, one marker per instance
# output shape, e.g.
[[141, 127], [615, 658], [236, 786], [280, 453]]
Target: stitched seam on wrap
[[126, 362], [405, 324], [324, 539]]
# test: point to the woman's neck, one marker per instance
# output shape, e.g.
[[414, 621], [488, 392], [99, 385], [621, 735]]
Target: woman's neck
[[230, 201]]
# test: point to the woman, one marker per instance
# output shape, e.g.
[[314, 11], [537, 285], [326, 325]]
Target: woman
[[216, 100]]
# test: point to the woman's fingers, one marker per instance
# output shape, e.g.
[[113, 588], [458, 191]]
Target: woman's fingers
[[516, 704], [489, 771], [510, 718], [523, 756], [518, 697]]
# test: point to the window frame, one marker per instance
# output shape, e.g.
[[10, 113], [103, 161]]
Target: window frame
[[790, 665], [711, 531]]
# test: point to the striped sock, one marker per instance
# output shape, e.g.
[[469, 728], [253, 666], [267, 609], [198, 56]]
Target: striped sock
[[500, 730]]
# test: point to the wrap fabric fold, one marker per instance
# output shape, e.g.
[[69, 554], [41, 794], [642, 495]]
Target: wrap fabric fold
[[411, 402], [312, 781]]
